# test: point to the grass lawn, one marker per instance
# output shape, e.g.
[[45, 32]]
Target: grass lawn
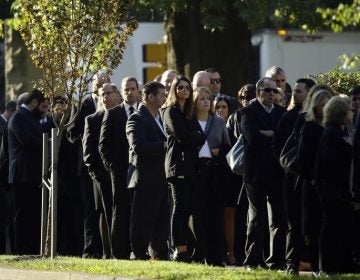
[[146, 269]]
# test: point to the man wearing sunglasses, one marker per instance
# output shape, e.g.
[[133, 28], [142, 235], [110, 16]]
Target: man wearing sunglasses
[[262, 178], [215, 88]]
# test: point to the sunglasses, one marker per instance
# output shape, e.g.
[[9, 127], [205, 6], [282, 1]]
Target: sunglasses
[[242, 97], [215, 81], [181, 87], [268, 90]]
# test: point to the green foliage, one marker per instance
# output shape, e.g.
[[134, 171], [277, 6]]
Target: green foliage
[[340, 81], [341, 17], [72, 39]]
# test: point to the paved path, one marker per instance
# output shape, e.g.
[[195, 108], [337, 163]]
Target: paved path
[[26, 274]]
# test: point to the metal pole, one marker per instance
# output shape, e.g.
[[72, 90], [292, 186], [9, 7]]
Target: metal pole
[[54, 158], [44, 194]]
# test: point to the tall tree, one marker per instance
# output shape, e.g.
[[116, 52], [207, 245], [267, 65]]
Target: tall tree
[[217, 33], [70, 40]]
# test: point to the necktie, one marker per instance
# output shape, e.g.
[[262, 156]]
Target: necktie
[[131, 109]]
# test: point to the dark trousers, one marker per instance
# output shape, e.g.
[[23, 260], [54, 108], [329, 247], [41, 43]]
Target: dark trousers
[[6, 220], [241, 225], [92, 241], [208, 209], [149, 224], [336, 239], [27, 218], [311, 222], [259, 195], [181, 192], [103, 205], [120, 223], [70, 216], [292, 200]]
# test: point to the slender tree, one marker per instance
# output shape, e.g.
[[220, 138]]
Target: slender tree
[[70, 40]]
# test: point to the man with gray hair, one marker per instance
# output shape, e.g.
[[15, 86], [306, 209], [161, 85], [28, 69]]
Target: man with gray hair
[[262, 178], [201, 79], [114, 151], [109, 97]]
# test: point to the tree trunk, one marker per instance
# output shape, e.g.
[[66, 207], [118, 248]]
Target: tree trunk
[[192, 48]]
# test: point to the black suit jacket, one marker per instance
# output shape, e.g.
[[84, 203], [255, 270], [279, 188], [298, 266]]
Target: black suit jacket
[[2, 126], [261, 162], [75, 131], [184, 139], [113, 144], [91, 152], [25, 147], [147, 143]]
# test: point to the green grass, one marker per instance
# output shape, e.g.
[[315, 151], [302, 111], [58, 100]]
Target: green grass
[[146, 269]]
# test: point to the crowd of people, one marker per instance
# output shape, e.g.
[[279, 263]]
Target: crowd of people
[[142, 173]]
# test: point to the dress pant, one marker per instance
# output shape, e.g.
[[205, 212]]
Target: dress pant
[[311, 222], [336, 238], [292, 200], [103, 205], [149, 224], [120, 222], [181, 192], [27, 218], [260, 195], [208, 209], [6, 220], [92, 240]]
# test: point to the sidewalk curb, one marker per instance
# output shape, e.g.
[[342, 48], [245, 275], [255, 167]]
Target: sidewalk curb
[[27, 274]]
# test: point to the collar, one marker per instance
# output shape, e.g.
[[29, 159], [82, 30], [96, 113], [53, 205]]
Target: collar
[[5, 119], [25, 107], [267, 109], [127, 106]]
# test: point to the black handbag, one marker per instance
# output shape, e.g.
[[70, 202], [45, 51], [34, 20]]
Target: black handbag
[[235, 157], [289, 155]]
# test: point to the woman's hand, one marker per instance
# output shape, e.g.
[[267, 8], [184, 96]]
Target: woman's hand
[[215, 152]]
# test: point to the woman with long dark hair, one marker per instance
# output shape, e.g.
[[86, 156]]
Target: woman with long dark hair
[[184, 138]]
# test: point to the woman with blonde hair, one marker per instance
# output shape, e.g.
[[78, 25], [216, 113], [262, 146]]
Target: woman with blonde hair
[[208, 204], [332, 181], [184, 138], [308, 146]]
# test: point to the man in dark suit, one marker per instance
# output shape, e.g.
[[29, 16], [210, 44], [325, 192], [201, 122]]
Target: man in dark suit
[[114, 151], [262, 177], [92, 241], [25, 149], [5, 197], [110, 97], [149, 220]]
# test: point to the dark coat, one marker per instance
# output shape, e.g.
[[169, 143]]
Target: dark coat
[[113, 144], [91, 152], [333, 164], [75, 131], [309, 141], [184, 138], [147, 145], [25, 147], [285, 127], [261, 163]]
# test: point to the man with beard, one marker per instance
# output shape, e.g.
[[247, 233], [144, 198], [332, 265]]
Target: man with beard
[[25, 149]]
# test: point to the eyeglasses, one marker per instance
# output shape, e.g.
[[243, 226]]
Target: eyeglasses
[[242, 97], [181, 87], [215, 81], [268, 90]]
